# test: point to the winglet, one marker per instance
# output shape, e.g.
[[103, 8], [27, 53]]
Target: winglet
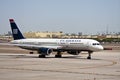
[[15, 30]]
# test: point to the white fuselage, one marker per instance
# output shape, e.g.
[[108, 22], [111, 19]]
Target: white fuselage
[[65, 44], [46, 46]]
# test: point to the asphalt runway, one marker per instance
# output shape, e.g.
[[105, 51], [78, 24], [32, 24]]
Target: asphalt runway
[[104, 65]]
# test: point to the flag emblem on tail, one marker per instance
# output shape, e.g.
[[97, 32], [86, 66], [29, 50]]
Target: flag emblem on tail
[[15, 31]]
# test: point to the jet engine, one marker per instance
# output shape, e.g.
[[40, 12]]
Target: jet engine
[[74, 52], [44, 51]]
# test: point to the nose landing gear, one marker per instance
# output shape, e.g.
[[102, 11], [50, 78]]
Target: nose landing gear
[[89, 54]]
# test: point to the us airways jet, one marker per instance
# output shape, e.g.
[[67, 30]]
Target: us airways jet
[[47, 46]]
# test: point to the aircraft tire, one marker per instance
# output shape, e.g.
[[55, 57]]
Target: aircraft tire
[[58, 56], [88, 57], [41, 56]]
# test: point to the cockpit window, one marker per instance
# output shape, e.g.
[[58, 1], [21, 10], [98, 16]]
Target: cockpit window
[[95, 44], [98, 44]]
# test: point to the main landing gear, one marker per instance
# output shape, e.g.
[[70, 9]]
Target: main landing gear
[[89, 54], [41, 56], [58, 55]]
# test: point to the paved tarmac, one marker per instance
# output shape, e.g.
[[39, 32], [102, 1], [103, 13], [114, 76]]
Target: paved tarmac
[[104, 65]]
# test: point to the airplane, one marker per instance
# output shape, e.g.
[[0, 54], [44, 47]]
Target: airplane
[[45, 47]]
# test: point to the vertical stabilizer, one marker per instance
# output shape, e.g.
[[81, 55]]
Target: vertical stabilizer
[[15, 30]]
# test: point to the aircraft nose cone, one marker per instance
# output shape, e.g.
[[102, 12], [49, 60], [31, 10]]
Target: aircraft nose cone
[[101, 48]]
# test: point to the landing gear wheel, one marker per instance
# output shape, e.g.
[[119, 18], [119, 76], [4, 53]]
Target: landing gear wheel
[[58, 56], [41, 56], [88, 57], [31, 52]]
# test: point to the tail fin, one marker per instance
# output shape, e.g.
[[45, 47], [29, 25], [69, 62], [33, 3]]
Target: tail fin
[[15, 30]]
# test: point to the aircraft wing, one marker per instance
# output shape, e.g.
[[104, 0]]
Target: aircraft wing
[[6, 44], [33, 46], [40, 46]]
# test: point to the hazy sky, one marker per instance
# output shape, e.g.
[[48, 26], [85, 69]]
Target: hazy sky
[[69, 16]]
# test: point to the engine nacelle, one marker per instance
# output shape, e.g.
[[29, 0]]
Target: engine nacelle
[[44, 51], [74, 52]]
